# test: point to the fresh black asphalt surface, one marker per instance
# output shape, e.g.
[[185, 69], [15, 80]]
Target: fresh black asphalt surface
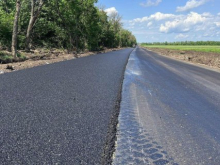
[[60, 113], [170, 113]]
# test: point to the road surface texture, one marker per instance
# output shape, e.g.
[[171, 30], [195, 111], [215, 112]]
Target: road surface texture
[[61, 113], [170, 113]]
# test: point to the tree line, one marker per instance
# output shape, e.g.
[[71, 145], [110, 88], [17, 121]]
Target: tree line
[[214, 43], [74, 25]]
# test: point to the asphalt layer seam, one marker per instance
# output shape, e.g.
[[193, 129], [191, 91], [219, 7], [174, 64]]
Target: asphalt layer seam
[[109, 149]]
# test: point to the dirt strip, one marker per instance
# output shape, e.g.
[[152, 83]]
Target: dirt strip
[[206, 58], [44, 57]]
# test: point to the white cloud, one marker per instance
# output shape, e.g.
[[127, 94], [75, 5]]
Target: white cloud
[[149, 24], [181, 36], [139, 20], [183, 24], [206, 14], [111, 10], [149, 3], [160, 16], [218, 14], [174, 27], [156, 17], [191, 4], [217, 24]]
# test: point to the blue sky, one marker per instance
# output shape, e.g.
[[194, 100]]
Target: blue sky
[[168, 20]]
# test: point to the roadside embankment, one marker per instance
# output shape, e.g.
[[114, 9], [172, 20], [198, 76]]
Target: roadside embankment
[[210, 59], [40, 57]]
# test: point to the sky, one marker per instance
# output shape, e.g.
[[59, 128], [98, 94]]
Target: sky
[[168, 20]]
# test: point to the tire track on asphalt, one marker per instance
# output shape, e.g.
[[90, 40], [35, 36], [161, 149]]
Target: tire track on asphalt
[[134, 144]]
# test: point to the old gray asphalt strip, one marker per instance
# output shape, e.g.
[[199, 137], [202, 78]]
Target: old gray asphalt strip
[[60, 113], [170, 113]]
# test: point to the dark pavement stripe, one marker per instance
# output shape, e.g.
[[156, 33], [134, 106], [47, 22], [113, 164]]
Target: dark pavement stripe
[[60, 113]]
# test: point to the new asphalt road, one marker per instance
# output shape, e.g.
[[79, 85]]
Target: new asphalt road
[[170, 113], [61, 113]]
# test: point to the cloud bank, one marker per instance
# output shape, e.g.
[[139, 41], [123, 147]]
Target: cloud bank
[[173, 27], [184, 24]]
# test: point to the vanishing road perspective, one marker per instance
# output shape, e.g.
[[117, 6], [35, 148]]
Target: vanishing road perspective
[[153, 109], [170, 113]]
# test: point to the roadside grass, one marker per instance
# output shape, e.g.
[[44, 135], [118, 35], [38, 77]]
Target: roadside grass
[[202, 48], [6, 57], [21, 56]]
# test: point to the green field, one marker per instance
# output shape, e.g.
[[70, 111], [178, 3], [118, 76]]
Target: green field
[[200, 48]]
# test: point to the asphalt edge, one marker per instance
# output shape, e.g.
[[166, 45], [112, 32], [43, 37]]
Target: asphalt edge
[[111, 138], [57, 62]]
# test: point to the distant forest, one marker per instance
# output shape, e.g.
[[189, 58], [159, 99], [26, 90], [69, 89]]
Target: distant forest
[[74, 25]]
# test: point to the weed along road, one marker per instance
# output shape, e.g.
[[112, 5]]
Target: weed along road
[[170, 113], [61, 113]]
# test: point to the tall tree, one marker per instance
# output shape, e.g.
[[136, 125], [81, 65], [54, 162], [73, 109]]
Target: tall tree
[[15, 29], [36, 7], [116, 26], [75, 25]]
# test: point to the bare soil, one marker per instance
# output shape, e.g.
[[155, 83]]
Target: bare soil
[[43, 57], [206, 58]]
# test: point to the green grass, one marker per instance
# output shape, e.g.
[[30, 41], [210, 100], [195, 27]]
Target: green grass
[[7, 57], [215, 49], [21, 56]]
